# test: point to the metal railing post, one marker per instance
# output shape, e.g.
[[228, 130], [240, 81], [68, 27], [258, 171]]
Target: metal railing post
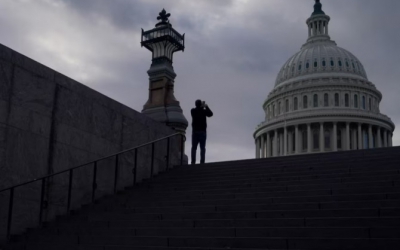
[[42, 200], [116, 174], [94, 184], [182, 153], [10, 213], [168, 142], [69, 189], [152, 160], [134, 170]]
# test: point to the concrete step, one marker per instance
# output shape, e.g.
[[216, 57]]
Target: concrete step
[[296, 168], [270, 187], [298, 232], [237, 205], [265, 192], [294, 175], [293, 180], [110, 216], [287, 162], [232, 242], [254, 200], [383, 186], [210, 199]]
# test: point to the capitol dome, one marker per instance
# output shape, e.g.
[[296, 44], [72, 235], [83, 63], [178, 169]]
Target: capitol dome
[[322, 101]]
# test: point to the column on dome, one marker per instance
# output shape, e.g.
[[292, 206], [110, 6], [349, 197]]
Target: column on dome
[[281, 144], [309, 138], [379, 137], [335, 146], [360, 140], [265, 145], [321, 138], [348, 136], [297, 144], [390, 139], [370, 137], [309, 30], [268, 145], [385, 141], [257, 148], [290, 142], [326, 29], [262, 147], [285, 140], [275, 146]]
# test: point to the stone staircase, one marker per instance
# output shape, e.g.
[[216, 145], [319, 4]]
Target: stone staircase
[[343, 200]]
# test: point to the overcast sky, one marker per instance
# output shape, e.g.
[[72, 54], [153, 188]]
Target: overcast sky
[[234, 50]]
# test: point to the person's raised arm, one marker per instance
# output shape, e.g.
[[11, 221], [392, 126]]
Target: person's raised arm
[[209, 113]]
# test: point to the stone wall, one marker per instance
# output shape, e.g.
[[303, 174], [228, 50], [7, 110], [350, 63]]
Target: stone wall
[[49, 123]]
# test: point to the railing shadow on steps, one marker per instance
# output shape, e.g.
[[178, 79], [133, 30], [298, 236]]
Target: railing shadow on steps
[[94, 186]]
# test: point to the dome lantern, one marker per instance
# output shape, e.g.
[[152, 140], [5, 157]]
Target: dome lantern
[[318, 24]]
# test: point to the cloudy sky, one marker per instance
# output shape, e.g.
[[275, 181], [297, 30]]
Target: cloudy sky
[[234, 50]]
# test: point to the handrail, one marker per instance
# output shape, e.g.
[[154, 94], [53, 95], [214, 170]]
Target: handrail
[[94, 185], [88, 163]]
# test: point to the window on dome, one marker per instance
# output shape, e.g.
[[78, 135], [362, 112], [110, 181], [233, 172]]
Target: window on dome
[[370, 104], [300, 67], [346, 100], [364, 103], [273, 110], [332, 63], [316, 139], [305, 102], [304, 139], [340, 63], [315, 100], [347, 64], [339, 139], [327, 139], [296, 105], [279, 108], [323, 63], [356, 101], [326, 100], [307, 65], [354, 66], [337, 100], [294, 142], [287, 105], [315, 64]]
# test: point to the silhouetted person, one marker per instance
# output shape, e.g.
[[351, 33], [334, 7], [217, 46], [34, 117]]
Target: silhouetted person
[[199, 129]]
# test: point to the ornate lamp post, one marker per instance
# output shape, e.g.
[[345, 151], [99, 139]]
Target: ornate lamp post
[[163, 41]]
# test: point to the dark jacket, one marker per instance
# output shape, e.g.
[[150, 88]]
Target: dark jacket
[[199, 118]]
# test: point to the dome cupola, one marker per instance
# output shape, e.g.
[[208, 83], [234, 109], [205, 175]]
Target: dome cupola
[[318, 24], [320, 56]]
